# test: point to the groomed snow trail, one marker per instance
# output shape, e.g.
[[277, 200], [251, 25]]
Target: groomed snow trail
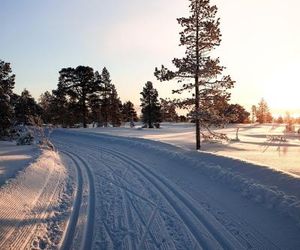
[[29, 205], [131, 197]]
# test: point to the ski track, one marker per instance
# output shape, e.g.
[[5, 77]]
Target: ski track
[[71, 227], [203, 230], [74, 220], [114, 200], [36, 200]]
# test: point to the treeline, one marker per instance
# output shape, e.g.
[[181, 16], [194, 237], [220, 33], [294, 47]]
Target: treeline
[[14, 108], [84, 96], [261, 113]]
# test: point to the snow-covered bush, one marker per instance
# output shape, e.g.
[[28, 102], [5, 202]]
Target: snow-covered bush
[[25, 139]]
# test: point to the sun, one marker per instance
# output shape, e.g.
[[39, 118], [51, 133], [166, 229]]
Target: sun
[[282, 91]]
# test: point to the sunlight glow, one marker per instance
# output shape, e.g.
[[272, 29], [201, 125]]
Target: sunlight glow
[[282, 91]]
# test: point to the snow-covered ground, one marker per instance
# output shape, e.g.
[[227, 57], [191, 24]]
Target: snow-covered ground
[[14, 158], [102, 191], [150, 195], [31, 211], [252, 147]]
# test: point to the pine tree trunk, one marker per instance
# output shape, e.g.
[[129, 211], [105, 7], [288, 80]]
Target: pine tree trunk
[[84, 113], [197, 109], [197, 94]]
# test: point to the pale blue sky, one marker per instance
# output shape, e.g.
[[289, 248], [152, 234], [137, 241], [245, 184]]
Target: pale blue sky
[[260, 46]]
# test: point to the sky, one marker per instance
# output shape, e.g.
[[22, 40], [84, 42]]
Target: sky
[[260, 44]]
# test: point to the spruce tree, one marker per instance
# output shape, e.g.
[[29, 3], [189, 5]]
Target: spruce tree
[[198, 72], [128, 112], [150, 106], [7, 83]]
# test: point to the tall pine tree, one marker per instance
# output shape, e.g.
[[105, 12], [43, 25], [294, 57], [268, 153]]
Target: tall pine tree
[[94, 101], [78, 84], [105, 95], [115, 105], [7, 83], [197, 71], [60, 107], [151, 114]]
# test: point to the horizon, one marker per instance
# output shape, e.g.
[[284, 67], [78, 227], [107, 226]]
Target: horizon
[[260, 54]]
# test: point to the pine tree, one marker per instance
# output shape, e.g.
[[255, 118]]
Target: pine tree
[[168, 111], [128, 112], [60, 108], [94, 101], [197, 71], [46, 102], [7, 83], [26, 108], [78, 84], [105, 93], [150, 105], [114, 108], [263, 114], [236, 114]]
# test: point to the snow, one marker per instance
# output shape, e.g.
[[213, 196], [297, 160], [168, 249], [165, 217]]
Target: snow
[[252, 147], [14, 158], [153, 195], [31, 216], [123, 188]]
